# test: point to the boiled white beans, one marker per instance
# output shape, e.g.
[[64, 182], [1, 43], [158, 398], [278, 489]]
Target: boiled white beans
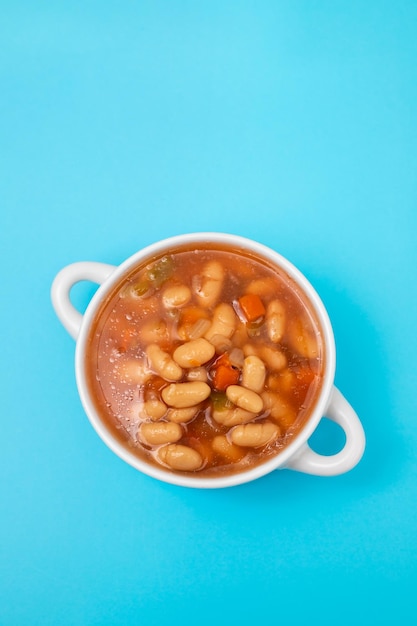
[[274, 358], [209, 283], [176, 296], [158, 433], [221, 445], [153, 331], [153, 409], [132, 371], [194, 353], [254, 373], [182, 416], [254, 435], [279, 409], [275, 320], [197, 373], [261, 286], [183, 395], [162, 363], [302, 340], [179, 457], [232, 417], [224, 322], [244, 398]]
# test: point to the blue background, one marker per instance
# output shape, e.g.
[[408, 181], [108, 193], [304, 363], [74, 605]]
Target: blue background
[[290, 122]]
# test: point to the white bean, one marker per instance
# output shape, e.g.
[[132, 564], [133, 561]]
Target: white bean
[[162, 363], [275, 320], [183, 395], [176, 296], [279, 409], [209, 283], [153, 409], [253, 376], [302, 339], [179, 457], [232, 417], [274, 358], [153, 331], [249, 349], [223, 323], [221, 445], [244, 398], [194, 353], [182, 416], [158, 433], [197, 373], [132, 371], [262, 286], [254, 435]]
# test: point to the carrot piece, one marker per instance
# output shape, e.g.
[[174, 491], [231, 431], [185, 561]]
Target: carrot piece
[[305, 375], [192, 314], [223, 359], [224, 374], [252, 306]]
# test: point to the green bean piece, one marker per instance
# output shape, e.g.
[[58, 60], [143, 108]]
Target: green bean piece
[[220, 401], [160, 271], [140, 288]]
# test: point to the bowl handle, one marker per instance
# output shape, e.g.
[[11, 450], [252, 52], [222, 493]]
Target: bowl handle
[[340, 412], [60, 291]]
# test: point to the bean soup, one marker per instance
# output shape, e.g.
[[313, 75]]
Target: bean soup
[[207, 359]]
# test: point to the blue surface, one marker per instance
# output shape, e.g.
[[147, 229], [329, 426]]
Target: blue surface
[[293, 123]]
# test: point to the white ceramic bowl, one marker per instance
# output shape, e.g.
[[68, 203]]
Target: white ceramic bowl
[[298, 455]]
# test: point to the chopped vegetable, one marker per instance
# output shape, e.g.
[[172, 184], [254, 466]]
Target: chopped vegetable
[[220, 401], [254, 328], [225, 376], [237, 358], [193, 323], [190, 315], [140, 289], [252, 307], [224, 373], [160, 271], [198, 329]]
